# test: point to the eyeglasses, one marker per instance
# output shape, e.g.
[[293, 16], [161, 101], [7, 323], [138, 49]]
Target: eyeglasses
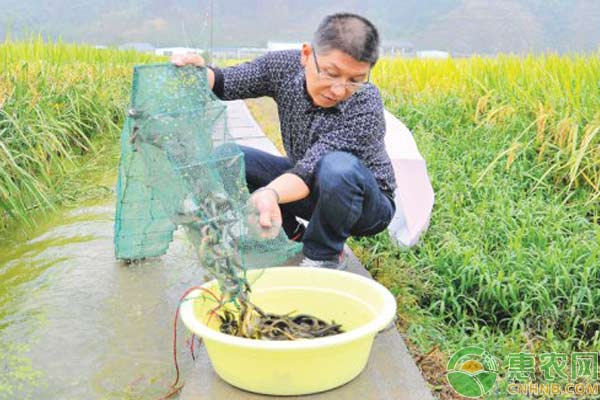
[[352, 87]]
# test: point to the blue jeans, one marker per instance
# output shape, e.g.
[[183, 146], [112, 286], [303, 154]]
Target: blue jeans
[[345, 200]]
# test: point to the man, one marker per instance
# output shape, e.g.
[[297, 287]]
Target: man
[[337, 174]]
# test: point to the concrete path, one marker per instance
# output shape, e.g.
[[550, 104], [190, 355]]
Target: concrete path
[[391, 373]]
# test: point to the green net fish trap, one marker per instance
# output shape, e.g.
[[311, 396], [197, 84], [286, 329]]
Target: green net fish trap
[[180, 167]]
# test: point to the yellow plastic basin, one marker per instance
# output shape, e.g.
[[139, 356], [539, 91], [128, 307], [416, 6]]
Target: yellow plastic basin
[[361, 305]]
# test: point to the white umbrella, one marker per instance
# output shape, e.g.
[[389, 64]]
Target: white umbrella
[[414, 194]]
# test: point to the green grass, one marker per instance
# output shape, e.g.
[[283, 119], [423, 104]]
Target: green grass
[[61, 111], [511, 261]]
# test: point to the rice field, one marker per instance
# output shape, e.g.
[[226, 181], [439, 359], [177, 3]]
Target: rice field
[[549, 102], [511, 261]]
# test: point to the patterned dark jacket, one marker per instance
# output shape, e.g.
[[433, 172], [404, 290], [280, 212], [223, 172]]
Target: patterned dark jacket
[[356, 125]]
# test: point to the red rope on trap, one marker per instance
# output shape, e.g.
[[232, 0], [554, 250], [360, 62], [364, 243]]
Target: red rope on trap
[[175, 388]]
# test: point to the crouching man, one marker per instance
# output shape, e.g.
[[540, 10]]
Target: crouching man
[[337, 174]]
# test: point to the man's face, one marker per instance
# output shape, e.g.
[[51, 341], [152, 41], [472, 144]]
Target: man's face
[[339, 67]]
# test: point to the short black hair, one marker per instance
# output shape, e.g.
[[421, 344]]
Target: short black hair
[[350, 33]]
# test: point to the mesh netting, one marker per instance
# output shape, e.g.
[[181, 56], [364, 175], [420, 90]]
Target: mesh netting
[[180, 167]]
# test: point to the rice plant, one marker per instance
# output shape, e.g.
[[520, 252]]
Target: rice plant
[[57, 103], [557, 95]]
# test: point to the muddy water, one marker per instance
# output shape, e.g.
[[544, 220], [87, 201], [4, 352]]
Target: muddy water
[[77, 324]]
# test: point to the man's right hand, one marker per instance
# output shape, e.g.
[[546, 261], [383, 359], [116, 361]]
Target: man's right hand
[[181, 60], [264, 201], [188, 59]]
